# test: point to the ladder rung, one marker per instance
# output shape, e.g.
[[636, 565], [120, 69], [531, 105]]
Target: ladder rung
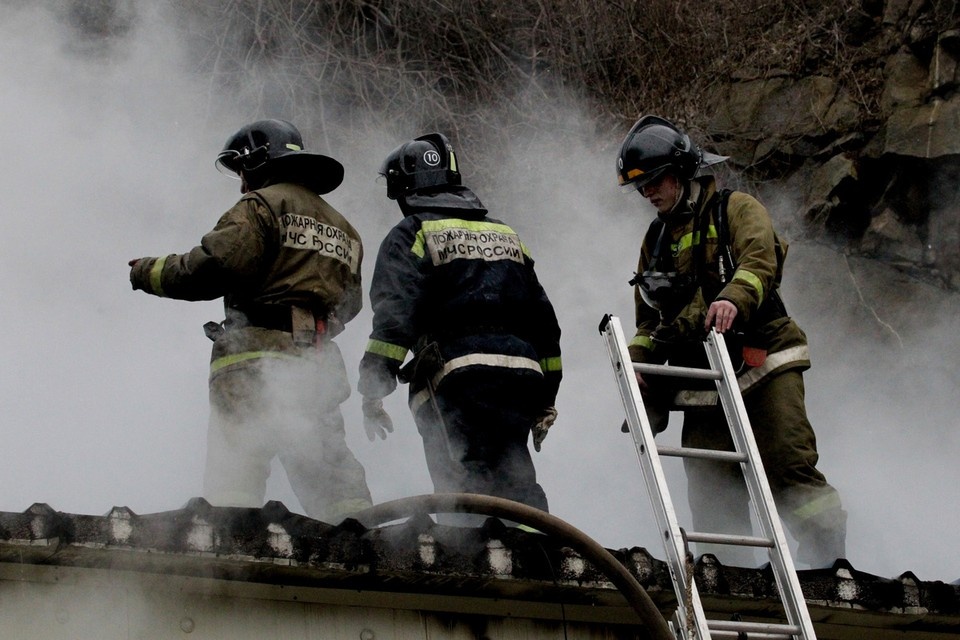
[[706, 454], [677, 372], [725, 538], [752, 636], [769, 629]]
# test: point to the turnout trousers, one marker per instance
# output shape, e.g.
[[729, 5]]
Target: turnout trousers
[[478, 442], [807, 503], [283, 406]]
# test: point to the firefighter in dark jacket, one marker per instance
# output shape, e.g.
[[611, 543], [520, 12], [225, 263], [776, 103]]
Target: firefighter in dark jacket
[[712, 259], [459, 291], [287, 266]]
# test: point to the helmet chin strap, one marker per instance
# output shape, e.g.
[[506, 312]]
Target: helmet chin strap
[[683, 195]]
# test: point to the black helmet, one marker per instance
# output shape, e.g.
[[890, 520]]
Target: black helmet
[[274, 148], [656, 146], [423, 164]]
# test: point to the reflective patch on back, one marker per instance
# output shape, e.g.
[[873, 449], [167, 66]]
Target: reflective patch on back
[[309, 234], [447, 245]]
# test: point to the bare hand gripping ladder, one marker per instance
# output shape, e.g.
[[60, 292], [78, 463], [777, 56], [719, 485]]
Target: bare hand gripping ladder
[[689, 621]]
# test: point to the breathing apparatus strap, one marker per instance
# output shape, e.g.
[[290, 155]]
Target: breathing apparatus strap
[[656, 229], [725, 257], [659, 228], [772, 307]]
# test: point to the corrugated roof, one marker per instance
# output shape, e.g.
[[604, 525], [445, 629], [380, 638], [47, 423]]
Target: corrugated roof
[[271, 545]]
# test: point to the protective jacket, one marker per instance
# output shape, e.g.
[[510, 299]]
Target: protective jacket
[[447, 274], [745, 269], [279, 247]]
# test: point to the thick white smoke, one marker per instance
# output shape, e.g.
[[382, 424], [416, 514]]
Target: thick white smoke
[[109, 156]]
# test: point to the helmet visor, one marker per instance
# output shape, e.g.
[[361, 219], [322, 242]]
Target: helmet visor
[[228, 163], [638, 179], [233, 161]]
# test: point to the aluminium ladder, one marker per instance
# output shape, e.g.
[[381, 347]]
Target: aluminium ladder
[[689, 621]]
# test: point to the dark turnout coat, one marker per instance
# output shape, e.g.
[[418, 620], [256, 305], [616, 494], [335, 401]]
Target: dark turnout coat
[[449, 274], [459, 290]]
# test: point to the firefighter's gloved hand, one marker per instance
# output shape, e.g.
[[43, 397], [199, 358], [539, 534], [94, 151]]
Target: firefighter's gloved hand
[[140, 269], [542, 426], [136, 273], [376, 421]]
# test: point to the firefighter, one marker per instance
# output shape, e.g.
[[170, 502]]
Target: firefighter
[[287, 266], [459, 291], [712, 259]]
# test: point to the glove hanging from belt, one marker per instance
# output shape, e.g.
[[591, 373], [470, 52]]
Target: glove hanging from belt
[[307, 329]]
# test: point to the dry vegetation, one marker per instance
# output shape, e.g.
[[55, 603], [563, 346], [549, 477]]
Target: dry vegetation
[[486, 69], [439, 63]]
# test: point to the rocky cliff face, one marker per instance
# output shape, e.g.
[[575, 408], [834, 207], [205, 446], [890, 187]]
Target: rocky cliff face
[[872, 163]]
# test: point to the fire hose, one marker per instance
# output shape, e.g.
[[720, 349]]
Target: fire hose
[[622, 579]]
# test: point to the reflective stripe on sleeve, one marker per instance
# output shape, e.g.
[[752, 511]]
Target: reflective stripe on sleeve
[[551, 364], [156, 273], [687, 398], [387, 350], [642, 341], [749, 278], [418, 399]]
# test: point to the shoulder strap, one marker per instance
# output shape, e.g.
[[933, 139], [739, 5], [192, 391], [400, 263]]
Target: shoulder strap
[[725, 256], [654, 234]]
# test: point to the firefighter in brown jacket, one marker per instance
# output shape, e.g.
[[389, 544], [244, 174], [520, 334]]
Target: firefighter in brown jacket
[[287, 266], [711, 259]]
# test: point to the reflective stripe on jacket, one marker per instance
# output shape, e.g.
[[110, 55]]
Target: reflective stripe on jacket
[[447, 273]]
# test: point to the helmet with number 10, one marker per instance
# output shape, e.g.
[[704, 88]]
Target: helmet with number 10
[[423, 164]]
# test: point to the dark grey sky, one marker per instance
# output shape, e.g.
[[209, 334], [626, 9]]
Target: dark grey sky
[[104, 389]]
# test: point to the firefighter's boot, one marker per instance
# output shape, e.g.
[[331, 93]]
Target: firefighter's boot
[[821, 543]]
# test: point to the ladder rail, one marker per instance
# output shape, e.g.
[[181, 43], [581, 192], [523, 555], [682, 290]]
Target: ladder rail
[[758, 487], [689, 612]]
